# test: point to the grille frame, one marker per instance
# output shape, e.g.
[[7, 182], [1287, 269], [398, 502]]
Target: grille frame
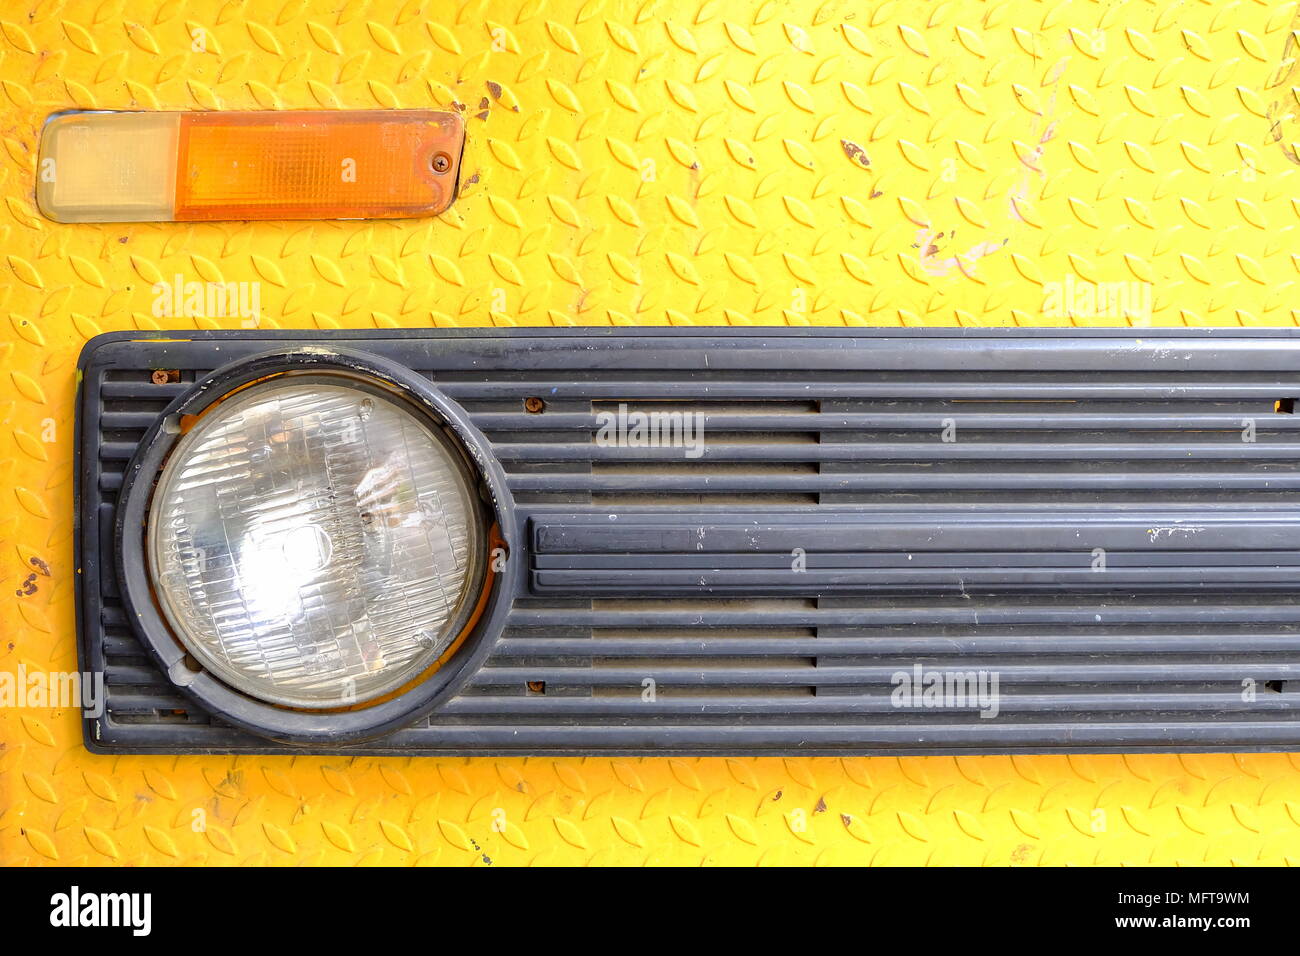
[[730, 365]]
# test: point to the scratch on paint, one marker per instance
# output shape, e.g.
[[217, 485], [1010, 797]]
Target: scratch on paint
[[930, 258]]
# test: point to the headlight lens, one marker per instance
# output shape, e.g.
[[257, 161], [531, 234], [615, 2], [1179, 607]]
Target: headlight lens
[[315, 542]]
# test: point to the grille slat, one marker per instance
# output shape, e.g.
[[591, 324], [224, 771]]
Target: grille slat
[[1051, 672], [1184, 426], [1199, 610], [1122, 706], [1097, 452], [1281, 478], [973, 736], [1123, 644]]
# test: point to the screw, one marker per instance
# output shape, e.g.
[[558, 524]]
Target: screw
[[441, 163], [534, 405], [160, 377]]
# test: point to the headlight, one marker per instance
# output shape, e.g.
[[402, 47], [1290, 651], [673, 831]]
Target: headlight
[[311, 543], [314, 544]]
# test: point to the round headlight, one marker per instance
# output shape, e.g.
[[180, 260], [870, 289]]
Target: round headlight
[[313, 542], [316, 542]]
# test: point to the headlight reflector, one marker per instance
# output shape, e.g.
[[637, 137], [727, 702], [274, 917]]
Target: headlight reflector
[[314, 542]]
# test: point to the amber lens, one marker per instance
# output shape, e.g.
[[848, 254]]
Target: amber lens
[[314, 165]]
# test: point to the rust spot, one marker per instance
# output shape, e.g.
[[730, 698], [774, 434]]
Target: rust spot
[[821, 806], [483, 115], [28, 587], [537, 687], [846, 819], [495, 89], [483, 103], [534, 404], [778, 796], [876, 194], [472, 180], [856, 154], [41, 566]]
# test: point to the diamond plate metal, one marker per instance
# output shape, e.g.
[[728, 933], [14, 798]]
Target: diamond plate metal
[[720, 163]]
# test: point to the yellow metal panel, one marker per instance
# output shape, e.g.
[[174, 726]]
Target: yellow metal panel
[[649, 163]]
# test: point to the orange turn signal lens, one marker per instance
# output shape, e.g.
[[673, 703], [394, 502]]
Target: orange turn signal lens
[[150, 167]]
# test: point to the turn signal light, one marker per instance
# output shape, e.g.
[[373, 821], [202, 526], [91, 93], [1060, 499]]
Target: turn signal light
[[301, 164]]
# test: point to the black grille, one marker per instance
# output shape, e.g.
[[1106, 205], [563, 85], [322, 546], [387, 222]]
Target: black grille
[[952, 493]]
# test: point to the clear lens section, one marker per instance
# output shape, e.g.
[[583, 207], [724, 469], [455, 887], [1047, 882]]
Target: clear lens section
[[108, 167], [311, 543]]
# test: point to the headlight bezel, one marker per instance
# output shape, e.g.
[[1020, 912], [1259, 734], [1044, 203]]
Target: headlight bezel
[[315, 726]]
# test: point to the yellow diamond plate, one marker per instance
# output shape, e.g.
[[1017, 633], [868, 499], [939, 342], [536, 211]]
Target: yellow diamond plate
[[725, 162]]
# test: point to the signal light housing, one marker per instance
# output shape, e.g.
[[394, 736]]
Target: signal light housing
[[295, 164]]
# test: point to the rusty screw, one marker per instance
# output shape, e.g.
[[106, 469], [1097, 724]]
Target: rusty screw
[[537, 686], [441, 163], [160, 376], [534, 405]]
